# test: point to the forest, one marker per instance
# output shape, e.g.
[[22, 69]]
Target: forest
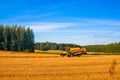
[[16, 38], [108, 48], [53, 46]]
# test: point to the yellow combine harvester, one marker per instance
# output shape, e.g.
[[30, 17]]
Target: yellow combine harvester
[[75, 52]]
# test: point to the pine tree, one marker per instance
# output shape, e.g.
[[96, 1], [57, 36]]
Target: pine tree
[[16, 38], [1, 37], [30, 40]]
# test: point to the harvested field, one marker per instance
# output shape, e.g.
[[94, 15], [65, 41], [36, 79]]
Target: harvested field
[[27, 67]]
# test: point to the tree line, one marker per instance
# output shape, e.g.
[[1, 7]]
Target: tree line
[[19, 38], [16, 38], [53, 46], [109, 48]]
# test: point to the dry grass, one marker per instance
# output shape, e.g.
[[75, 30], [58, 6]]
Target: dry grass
[[99, 53], [57, 68], [10, 54], [56, 51], [51, 51]]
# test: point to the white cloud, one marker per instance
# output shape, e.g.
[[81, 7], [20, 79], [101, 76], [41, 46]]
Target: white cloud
[[114, 34], [84, 24], [18, 19], [100, 21], [31, 16], [43, 27], [85, 31]]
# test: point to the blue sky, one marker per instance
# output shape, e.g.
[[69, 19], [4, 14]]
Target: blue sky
[[84, 22]]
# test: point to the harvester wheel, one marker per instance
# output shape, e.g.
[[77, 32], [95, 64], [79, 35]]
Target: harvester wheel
[[62, 54], [78, 55]]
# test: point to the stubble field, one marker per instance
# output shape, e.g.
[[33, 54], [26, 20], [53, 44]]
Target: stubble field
[[15, 66]]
